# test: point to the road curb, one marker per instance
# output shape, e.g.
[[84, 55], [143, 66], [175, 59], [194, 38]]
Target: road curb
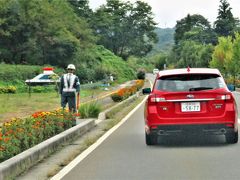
[[21, 162]]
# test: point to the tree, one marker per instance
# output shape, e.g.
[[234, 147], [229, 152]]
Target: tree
[[81, 8], [222, 54], [159, 60], [41, 32], [234, 65], [226, 56], [194, 27], [225, 24], [125, 28], [193, 54]]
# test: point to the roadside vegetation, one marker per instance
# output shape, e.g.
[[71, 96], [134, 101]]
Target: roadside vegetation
[[59, 33], [22, 105], [19, 134], [90, 110]]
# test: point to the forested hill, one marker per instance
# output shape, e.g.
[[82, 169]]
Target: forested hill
[[165, 39], [58, 33]]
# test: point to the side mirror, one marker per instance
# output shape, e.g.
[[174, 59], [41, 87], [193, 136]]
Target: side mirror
[[146, 90], [231, 87]]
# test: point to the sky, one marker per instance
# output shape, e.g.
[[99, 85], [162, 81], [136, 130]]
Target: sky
[[167, 12]]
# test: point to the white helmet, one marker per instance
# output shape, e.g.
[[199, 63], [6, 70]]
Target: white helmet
[[71, 66]]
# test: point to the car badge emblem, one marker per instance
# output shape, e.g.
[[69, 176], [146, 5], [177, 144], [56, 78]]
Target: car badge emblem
[[190, 96]]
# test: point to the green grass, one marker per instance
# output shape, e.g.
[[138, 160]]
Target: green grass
[[90, 110], [21, 104]]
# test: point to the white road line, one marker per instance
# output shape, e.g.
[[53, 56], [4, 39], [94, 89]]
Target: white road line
[[85, 153]]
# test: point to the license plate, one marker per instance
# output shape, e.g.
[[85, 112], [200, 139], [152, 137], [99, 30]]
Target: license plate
[[190, 106]]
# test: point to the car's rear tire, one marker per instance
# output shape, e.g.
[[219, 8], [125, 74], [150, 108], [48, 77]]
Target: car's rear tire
[[231, 138], [150, 139]]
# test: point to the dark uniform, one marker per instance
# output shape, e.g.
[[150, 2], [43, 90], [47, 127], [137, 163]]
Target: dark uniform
[[69, 86]]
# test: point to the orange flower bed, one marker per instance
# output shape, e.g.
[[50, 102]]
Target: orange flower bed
[[18, 134], [124, 93]]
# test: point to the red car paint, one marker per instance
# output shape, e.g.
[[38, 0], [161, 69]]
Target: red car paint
[[190, 100]]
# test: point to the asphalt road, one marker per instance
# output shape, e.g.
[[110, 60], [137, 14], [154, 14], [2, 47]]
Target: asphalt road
[[124, 155]]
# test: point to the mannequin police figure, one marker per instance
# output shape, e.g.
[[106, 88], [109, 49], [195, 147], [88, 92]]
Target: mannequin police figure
[[69, 86]]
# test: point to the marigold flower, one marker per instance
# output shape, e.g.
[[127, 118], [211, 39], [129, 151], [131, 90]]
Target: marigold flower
[[6, 139], [2, 148]]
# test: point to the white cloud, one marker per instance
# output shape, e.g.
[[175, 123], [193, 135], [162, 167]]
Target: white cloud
[[167, 12]]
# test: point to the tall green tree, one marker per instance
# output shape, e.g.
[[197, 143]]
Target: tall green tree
[[125, 28], [160, 60], [193, 54], [225, 24], [81, 8], [226, 56], [222, 54], [194, 27], [234, 65], [41, 32]]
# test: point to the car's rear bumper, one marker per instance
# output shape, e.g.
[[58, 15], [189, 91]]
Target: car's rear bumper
[[213, 129]]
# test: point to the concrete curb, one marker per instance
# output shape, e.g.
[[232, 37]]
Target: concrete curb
[[19, 163]]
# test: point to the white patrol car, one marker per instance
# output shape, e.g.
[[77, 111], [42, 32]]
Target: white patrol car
[[43, 78]]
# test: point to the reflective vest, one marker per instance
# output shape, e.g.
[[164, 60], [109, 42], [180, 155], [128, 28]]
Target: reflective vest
[[69, 80]]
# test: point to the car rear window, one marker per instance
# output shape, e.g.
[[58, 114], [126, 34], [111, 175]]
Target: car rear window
[[189, 82]]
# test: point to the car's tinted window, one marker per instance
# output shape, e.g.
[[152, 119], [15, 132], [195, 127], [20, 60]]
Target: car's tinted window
[[44, 77], [189, 82]]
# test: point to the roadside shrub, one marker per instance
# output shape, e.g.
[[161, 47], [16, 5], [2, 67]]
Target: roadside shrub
[[43, 89], [141, 74], [116, 97], [8, 89], [230, 80], [101, 73], [124, 93], [139, 84], [90, 110], [238, 83]]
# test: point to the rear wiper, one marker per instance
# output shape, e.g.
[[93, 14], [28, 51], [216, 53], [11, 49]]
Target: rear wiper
[[199, 88]]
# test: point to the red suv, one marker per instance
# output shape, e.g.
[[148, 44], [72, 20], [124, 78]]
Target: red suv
[[190, 101]]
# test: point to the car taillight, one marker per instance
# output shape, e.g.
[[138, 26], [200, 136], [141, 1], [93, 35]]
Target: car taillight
[[224, 97], [155, 98]]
